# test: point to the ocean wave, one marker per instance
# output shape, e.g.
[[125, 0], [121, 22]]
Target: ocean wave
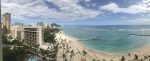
[[119, 30], [83, 39], [145, 29], [91, 29], [138, 35], [133, 29], [91, 39]]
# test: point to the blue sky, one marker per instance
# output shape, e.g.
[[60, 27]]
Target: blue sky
[[79, 12]]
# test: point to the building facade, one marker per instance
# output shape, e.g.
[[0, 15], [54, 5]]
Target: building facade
[[33, 36], [17, 32], [6, 18]]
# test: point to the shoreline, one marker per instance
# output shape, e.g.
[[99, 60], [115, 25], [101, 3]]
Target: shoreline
[[95, 51], [77, 45]]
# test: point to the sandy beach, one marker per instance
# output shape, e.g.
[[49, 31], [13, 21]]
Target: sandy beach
[[68, 44]]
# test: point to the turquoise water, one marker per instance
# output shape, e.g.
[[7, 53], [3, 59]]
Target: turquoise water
[[111, 39], [33, 59]]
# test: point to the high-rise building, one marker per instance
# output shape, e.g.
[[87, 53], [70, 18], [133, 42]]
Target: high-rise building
[[30, 35], [6, 23], [17, 32], [33, 36]]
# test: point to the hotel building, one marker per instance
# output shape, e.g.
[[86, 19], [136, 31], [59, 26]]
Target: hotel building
[[6, 23], [33, 36], [30, 35], [17, 32]]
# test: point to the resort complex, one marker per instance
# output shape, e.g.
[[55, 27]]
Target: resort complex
[[75, 30], [50, 43]]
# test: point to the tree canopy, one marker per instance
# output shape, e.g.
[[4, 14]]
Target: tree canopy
[[49, 34]]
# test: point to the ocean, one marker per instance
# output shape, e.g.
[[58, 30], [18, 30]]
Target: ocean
[[111, 38]]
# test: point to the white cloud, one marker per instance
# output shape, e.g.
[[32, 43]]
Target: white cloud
[[139, 21], [69, 9], [87, 0], [143, 7], [146, 1], [123, 17], [26, 9]]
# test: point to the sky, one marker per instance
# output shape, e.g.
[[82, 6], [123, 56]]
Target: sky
[[79, 12]]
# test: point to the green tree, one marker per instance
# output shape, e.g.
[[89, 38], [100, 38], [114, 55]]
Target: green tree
[[49, 34], [136, 57], [93, 60], [4, 39], [84, 54], [122, 58], [15, 54], [64, 57]]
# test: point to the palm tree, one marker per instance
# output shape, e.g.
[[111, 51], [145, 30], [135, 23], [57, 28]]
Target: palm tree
[[71, 57], [93, 60], [149, 56], [141, 60], [136, 57], [111, 60], [98, 60], [84, 54], [72, 54], [145, 57], [104, 60], [64, 57], [122, 58], [129, 54]]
